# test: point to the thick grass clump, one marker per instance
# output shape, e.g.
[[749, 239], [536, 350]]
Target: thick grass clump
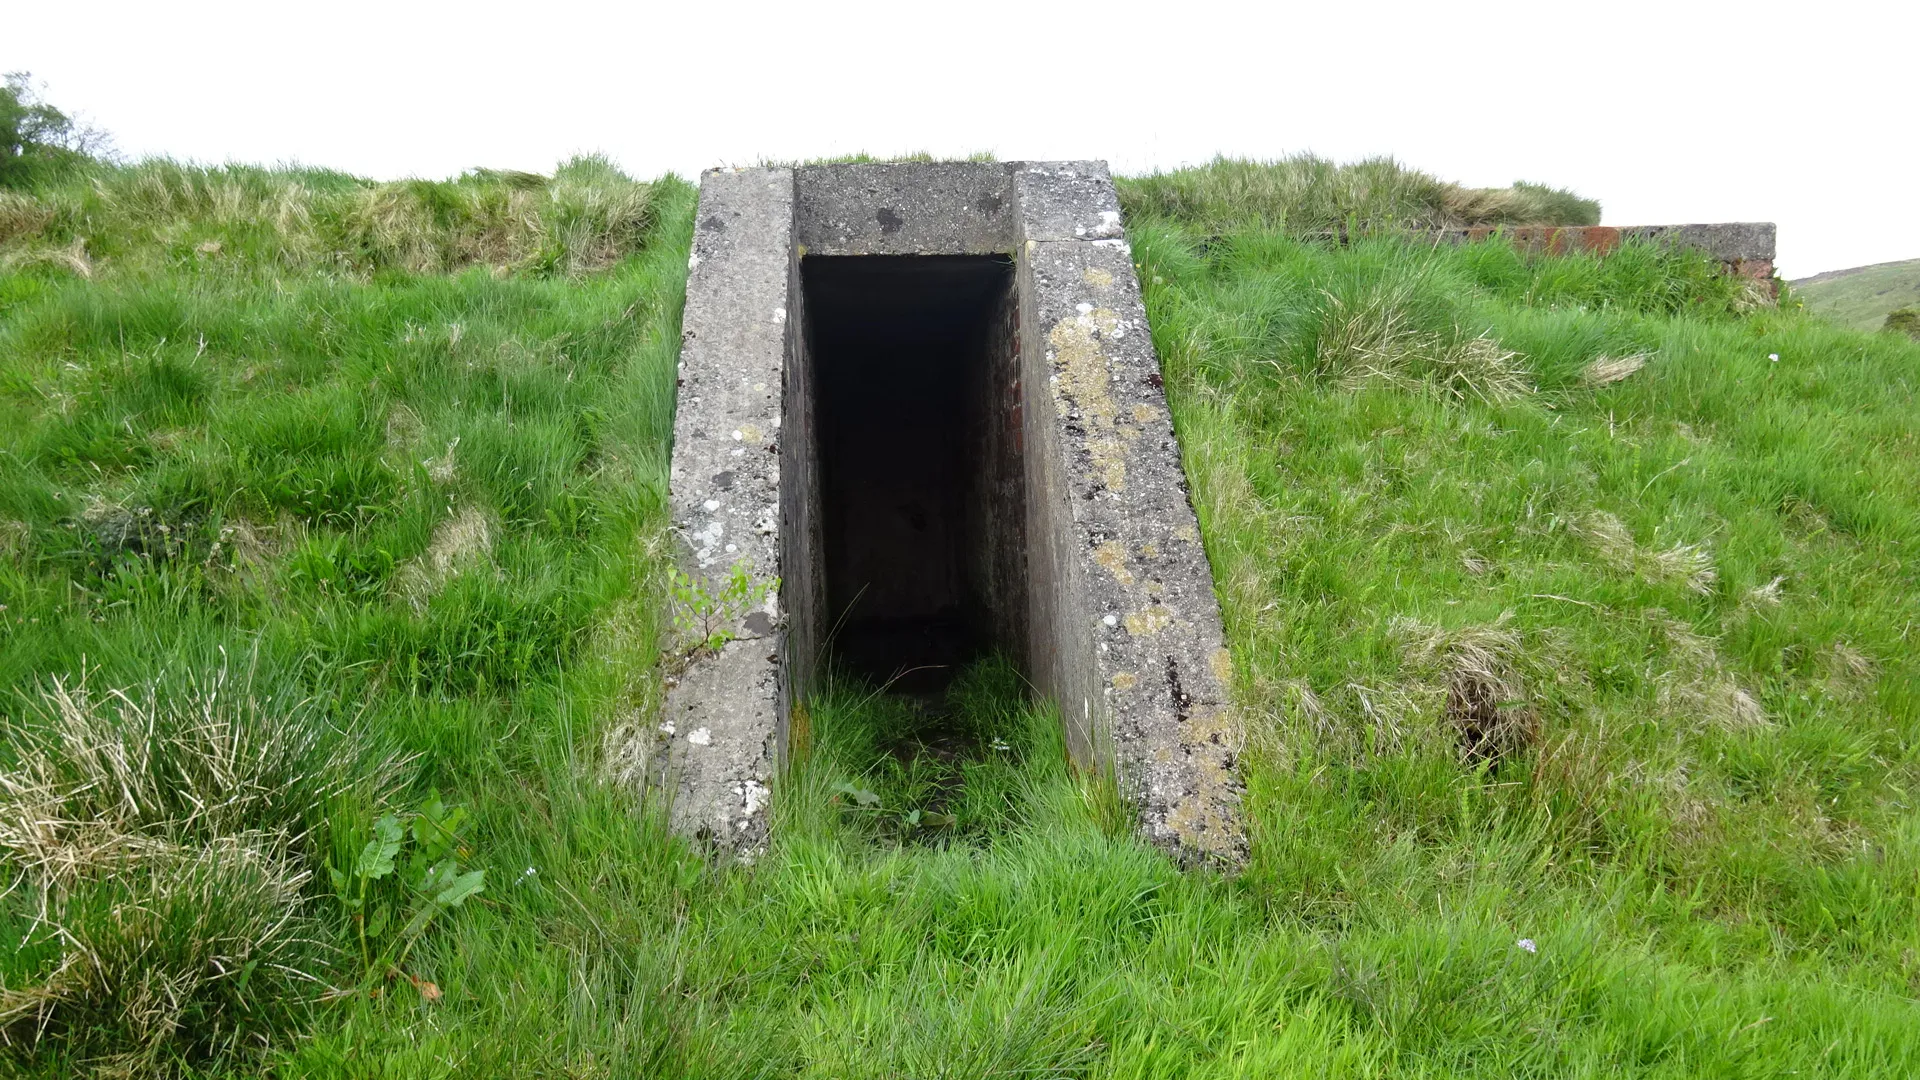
[[1568, 600], [1306, 194], [159, 851]]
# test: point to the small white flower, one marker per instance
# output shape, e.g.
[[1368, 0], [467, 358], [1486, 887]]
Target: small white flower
[[1774, 356], [999, 744], [1527, 944], [530, 872]]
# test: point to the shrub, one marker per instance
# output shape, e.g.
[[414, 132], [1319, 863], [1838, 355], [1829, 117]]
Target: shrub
[[37, 141]]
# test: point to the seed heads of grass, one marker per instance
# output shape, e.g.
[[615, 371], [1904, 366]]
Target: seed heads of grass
[[584, 218], [1307, 194]]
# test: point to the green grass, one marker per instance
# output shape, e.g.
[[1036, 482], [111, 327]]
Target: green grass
[[1863, 297], [1561, 612]]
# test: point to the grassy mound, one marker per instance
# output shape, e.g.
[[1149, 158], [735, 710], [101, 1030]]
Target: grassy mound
[[1569, 602], [163, 216]]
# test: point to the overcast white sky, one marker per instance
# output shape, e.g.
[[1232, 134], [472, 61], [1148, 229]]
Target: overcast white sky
[[1667, 111]]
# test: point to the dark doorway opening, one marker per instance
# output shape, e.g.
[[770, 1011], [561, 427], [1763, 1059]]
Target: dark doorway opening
[[916, 392]]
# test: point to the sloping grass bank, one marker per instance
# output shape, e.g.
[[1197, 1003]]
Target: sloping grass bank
[[1570, 626], [362, 479]]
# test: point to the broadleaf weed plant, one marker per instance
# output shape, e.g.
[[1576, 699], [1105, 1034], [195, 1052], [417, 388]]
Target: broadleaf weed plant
[[409, 874]]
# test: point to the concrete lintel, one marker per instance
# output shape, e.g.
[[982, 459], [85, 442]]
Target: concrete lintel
[[909, 208]]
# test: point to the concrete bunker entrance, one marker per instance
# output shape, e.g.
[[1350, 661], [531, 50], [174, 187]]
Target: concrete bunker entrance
[[915, 379], [920, 415]]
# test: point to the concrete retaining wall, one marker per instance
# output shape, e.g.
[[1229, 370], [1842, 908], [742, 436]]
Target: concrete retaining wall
[[1743, 248]]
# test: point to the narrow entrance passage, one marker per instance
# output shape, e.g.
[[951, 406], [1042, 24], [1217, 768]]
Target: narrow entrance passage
[[916, 392]]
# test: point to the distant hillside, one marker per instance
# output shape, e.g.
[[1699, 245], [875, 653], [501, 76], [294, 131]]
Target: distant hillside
[[1862, 297]]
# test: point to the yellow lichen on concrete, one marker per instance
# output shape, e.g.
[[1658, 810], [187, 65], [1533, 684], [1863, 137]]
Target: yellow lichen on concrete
[[1145, 414], [1114, 557], [1096, 277], [1222, 664], [1124, 680], [1205, 819], [1083, 377], [1149, 620]]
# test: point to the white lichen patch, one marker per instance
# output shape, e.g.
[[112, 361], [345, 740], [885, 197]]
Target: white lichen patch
[[705, 539], [753, 796]]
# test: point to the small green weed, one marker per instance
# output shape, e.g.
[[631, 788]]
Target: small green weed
[[704, 615]]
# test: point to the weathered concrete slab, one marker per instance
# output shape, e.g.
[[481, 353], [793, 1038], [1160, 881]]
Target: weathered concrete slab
[[1140, 650], [1080, 508], [1066, 200], [721, 727]]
